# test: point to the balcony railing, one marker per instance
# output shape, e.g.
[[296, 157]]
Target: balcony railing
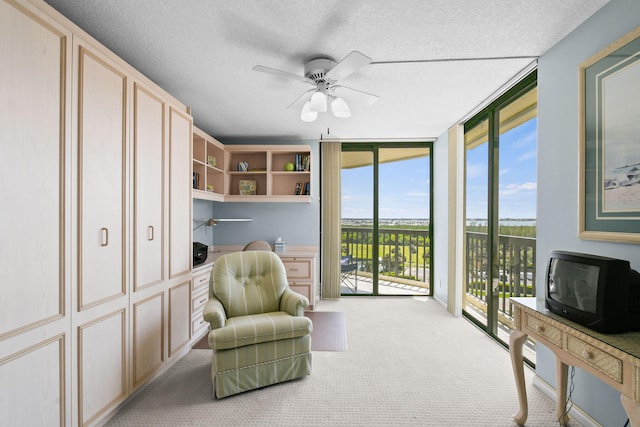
[[516, 273], [404, 253]]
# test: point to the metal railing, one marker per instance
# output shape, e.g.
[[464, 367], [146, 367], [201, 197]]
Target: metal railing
[[403, 253], [516, 272]]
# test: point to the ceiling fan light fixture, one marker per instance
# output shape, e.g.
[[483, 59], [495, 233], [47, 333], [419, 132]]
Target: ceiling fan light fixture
[[340, 108], [318, 102], [307, 115]]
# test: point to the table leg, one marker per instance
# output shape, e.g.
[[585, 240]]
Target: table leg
[[516, 341], [632, 408], [561, 391]]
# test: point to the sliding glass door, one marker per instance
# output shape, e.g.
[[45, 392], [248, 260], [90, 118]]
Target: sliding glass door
[[386, 212], [500, 192]]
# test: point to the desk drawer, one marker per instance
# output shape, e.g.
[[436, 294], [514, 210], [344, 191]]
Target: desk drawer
[[199, 300], [542, 328], [302, 289], [200, 279], [298, 268], [198, 326], [607, 364]]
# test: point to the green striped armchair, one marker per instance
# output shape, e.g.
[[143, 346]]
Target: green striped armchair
[[259, 334]]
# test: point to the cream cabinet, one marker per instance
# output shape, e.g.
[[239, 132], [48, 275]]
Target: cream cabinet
[[180, 248], [301, 274], [148, 300], [148, 176], [101, 312], [35, 183], [199, 298], [96, 164]]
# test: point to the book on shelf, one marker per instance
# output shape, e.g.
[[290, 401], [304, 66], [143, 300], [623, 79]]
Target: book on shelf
[[196, 180], [306, 189], [298, 188], [302, 163], [247, 187]]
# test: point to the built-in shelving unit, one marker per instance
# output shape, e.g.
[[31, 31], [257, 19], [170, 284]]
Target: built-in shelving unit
[[250, 173], [208, 167]]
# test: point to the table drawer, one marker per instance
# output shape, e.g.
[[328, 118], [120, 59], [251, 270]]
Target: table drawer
[[542, 328], [298, 268], [605, 363], [200, 279]]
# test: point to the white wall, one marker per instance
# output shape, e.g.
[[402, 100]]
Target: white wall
[[557, 217]]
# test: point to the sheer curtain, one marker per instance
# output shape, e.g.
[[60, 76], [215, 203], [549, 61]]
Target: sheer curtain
[[330, 240]]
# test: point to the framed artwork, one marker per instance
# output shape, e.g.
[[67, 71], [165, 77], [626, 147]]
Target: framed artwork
[[610, 143]]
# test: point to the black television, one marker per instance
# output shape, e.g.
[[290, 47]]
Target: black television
[[598, 292]]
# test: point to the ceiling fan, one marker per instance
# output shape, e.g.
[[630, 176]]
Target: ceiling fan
[[323, 74]]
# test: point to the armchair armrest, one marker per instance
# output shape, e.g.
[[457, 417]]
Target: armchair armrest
[[293, 303], [214, 313]]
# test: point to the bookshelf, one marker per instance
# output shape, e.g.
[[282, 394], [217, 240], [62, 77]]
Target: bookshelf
[[208, 164], [250, 173]]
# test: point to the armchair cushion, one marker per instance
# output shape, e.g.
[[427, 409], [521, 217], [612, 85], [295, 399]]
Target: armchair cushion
[[257, 328]]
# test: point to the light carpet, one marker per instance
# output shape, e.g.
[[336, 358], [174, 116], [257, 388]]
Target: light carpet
[[409, 362]]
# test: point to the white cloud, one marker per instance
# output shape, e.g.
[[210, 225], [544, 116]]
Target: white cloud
[[514, 189]]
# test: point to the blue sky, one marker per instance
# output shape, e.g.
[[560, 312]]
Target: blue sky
[[517, 175], [404, 186]]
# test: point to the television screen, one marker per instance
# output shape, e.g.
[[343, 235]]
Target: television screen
[[574, 284]]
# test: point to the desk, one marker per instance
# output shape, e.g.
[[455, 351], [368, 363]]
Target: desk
[[614, 358]]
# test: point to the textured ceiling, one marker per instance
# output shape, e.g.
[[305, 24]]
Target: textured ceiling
[[202, 52]]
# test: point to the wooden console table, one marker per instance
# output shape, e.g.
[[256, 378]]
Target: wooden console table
[[614, 358]]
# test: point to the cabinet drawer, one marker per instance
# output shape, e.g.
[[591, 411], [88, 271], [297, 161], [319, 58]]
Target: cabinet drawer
[[200, 279], [302, 290], [199, 300], [298, 268], [607, 364], [542, 328], [198, 325]]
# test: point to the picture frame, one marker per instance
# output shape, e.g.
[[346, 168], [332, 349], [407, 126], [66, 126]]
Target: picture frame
[[609, 152]]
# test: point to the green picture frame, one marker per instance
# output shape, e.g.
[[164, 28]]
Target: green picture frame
[[610, 143]]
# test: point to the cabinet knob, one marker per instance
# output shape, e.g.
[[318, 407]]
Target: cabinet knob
[[540, 328], [150, 233], [587, 354]]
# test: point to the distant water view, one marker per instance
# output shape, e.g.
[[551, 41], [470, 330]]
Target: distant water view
[[425, 222]]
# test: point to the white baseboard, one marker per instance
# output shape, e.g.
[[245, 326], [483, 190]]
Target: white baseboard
[[575, 412]]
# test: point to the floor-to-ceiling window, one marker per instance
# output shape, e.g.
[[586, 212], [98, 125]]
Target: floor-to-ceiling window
[[500, 208], [386, 218]]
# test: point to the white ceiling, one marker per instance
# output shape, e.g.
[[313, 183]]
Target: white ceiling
[[202, 52]]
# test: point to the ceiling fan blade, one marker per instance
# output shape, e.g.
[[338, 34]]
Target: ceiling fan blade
[[349, 65], [281, 73], [356, 95], [299, 102]]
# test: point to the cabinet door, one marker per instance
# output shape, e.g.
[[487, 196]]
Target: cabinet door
[[180, 180], [35, 87], [148, 140], [102, 317], [101, 148]]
